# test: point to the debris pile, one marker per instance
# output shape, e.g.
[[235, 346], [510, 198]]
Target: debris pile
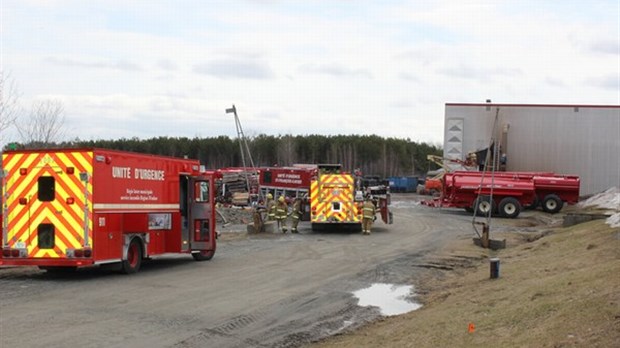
[[234, 215]]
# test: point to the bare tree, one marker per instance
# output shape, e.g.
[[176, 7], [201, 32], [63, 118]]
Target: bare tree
[[8, 101], [44, 124], [286, 152]]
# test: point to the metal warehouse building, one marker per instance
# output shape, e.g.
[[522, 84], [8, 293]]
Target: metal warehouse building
[[566, 139]]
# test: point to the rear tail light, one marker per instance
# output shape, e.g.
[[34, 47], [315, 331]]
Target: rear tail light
[[79, 253], [70, 200], [23, 201], [11, 252]]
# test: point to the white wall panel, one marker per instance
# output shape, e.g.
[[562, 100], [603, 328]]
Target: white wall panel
[[582, 140]]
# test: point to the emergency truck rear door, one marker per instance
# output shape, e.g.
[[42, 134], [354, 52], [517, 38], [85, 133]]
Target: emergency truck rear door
[[201, 213]]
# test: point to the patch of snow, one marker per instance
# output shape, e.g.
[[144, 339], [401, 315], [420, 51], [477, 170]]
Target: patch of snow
[[609, 200], [614, 220]]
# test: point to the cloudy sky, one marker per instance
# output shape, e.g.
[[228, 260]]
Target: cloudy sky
[[170, 68]]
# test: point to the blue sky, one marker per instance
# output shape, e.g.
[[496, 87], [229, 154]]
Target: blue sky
[[170, 68]]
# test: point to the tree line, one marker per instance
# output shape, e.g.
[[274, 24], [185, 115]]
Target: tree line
[[373, 154]]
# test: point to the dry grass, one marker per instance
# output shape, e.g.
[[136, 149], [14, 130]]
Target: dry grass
[[559, 290]]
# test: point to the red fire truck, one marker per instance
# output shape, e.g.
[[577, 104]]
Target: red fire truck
[[336, 198], [329, 195], [286, 181], [67, 208]]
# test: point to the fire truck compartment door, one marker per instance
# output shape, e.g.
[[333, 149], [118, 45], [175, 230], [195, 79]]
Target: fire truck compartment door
[[201, 215], [386, 215]]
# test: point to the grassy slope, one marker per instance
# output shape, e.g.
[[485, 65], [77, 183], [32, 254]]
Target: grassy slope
[[560, 290]]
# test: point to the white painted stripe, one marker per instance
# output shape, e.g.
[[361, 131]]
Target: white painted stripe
[[135, 206]]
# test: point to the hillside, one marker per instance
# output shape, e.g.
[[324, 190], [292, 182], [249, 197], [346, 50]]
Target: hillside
[[558, 287]]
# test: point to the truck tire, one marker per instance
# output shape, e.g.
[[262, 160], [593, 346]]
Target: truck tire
[[509, 207], [552, 204], [203, 255], [483, 205], [134, 257]]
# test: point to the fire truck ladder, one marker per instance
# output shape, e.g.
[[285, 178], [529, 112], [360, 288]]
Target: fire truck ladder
[[243, 146]]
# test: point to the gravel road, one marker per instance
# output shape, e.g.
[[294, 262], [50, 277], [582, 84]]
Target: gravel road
[[263, 290]]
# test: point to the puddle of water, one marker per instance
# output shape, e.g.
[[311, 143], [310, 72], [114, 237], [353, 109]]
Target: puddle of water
[[391, 299]]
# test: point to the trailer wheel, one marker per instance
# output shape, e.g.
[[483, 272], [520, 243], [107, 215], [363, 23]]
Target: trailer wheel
[[134, 257], [552, 204], [509, 208], [483, 205], [203, 255]]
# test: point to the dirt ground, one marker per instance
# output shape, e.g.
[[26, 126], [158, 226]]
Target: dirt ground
[[260, 290], [558, 287]]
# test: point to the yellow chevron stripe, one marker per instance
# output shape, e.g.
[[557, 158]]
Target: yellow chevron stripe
[[70, 227], [83, 159], [333, 188]]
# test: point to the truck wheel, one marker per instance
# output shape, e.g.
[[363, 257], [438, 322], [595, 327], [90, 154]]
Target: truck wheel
[[134, 257], [484, 204], [203, 255], [552, 204], [509, 208]]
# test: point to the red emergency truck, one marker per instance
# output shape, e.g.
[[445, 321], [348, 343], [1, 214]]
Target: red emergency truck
[[67, 208], [286, 181]]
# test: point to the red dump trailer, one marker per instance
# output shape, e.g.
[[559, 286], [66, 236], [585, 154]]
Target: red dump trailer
[[511, 191]]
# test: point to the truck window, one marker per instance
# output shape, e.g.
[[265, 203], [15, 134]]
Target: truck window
[[202, 191], [45, 236], [267, 177], [46, 189]]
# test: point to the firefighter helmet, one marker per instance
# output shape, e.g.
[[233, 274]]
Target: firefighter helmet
[[269, 196], [281, 199]]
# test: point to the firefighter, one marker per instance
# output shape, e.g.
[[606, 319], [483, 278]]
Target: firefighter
[[368, 214], [281, 213], [271, 208], [296, 214]]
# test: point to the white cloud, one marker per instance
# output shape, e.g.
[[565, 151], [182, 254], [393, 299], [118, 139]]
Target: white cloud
[[235, 69], [304, 67]]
